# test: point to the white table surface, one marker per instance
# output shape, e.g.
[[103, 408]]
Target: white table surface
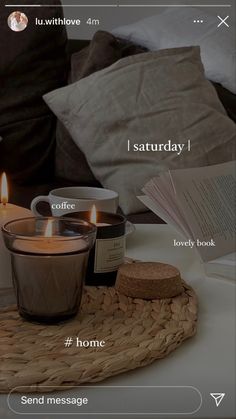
[[206, 361]]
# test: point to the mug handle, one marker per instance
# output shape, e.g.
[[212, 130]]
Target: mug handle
[[34, 203]]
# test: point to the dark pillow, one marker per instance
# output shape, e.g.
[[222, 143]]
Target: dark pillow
[[103, 50], [33, 62], [71, 163], [228, 100]]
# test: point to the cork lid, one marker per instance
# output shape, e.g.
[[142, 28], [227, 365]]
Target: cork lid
[[149, 280]]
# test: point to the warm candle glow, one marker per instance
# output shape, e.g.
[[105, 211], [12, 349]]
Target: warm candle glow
[[4, 189], [93, 217], [48, 231]]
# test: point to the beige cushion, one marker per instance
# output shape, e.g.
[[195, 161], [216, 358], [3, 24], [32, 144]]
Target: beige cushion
[[154, 97]]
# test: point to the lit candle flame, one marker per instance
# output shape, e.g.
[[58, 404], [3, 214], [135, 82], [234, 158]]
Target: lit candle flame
[[4, 189], [48, 231], [93, 216]]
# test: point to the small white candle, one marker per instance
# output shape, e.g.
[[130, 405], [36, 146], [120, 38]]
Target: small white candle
[[50, 244], [49, 247], [8, 212]]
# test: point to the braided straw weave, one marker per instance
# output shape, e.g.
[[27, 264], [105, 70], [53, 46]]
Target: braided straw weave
[[136, 332]]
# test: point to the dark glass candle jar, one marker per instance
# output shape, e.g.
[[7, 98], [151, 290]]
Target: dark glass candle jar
[[108, 251], [49, 259]]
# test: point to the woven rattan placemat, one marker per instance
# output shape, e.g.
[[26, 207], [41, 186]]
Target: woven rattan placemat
[[136, 333]]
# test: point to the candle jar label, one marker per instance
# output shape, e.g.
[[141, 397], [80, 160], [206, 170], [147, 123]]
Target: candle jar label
[[109, 254]]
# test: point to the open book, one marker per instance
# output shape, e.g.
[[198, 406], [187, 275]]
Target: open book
[[200, 203]]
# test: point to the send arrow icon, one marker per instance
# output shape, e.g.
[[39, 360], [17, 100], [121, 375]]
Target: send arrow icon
[[218, 397]]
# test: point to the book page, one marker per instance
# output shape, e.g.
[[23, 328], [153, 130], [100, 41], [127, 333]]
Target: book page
[[160, 212], [162, 202], [206, 196], [223, 267]]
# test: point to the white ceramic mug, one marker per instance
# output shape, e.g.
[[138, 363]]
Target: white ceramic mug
[[77, 198]]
